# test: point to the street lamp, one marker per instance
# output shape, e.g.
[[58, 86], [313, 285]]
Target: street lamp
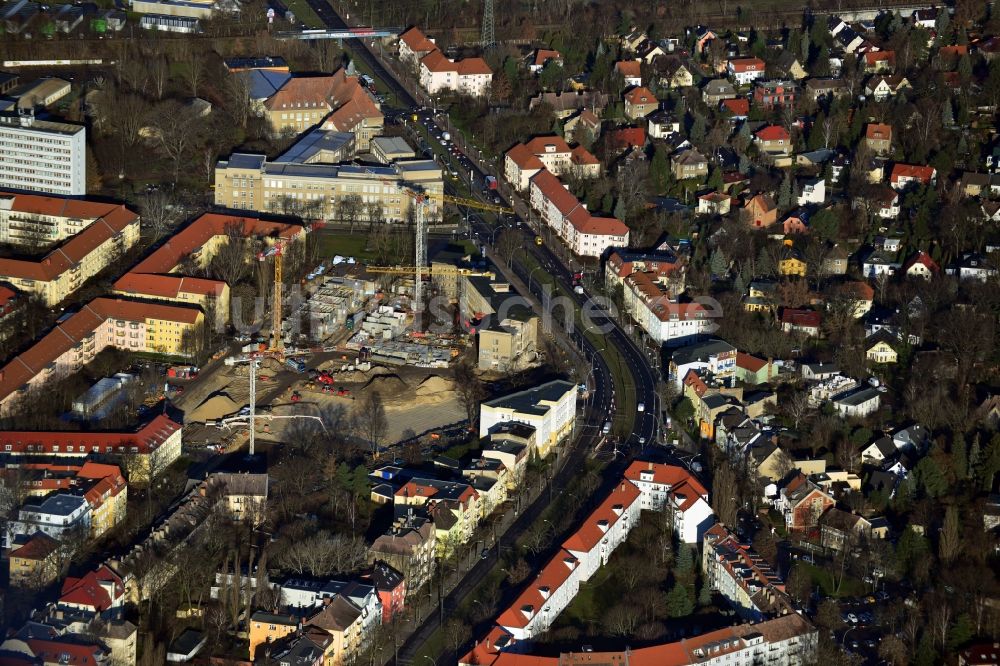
[[432, 660], [530, 274]]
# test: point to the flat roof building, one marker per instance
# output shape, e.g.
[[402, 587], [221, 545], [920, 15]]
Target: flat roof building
[[42, 155]]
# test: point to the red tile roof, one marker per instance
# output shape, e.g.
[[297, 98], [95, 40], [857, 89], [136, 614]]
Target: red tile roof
[[641, 95], [542, 56], [66, 652], [540, 144], [740, 65], [629, 68], [800, 318], [738, 107], [522, 156], [604, 517], [583, 156], [146, 439], [924, 174], [873, 57], [167, 286], [772, 133], [416, 41], [91, 590], [748, 362], [923, 258], [878, 132], [627, 137], [38, 547]]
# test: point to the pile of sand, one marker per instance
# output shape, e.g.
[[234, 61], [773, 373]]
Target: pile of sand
[[390, 384], [434, 385], [215, 406]]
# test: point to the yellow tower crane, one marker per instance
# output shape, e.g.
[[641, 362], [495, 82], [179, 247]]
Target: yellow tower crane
[[277, 250]]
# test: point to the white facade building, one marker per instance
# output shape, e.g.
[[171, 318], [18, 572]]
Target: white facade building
[[42, 155], [549, 408]]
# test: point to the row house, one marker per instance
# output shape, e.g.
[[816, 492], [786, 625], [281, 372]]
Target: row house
[[408, 546], [586, 235], [525, 160], [454, 508]]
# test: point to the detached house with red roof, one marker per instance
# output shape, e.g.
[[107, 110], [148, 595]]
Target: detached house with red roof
[[744, 71], [468, 76], [773, 140], [879, 62], [630, 71], [640, 102], [905, 175], [542, 57], [760, 212], [548, 152], [796, 320], [414, 45], [921, 265], [878, 137], [35, 562], [96, 592]]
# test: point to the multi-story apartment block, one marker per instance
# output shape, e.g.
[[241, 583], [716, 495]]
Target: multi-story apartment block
[[35, 563], [409, 547], [250, 182], [337, 102], [666, 266], [154, 447], [549, 408], [454, 508], [102, 485], [548, 152], [507, 328], [42, 155], [585, 234], [57, 515], [413, 46], [103, 234], [742, 576], [658, 312], [469, 76], [666, 485]]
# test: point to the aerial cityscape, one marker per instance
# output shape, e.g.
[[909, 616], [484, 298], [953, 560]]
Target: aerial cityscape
[[495, 333]]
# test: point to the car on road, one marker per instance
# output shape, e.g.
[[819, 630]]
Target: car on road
[[852, 618], [641, 407], [485, 554]]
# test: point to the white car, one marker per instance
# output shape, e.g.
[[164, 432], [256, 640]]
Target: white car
[[641, 406]]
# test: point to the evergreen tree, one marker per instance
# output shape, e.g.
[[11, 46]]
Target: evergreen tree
[[705, 596], [804, 48], [941, 25], [715, 179], [659, 169], [744, 165], [816, 140], [718, 264], [679, 601], [960, 457], [974, 457], [964, 68], [947, 115], [739, 284], [698, 129], [685, 561], [785, 193], [607, 201]]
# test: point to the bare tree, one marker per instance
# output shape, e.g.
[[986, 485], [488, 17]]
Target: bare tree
[[349, 209], [507, 244], [232, 262], [159, 211], [177, 129], [159, 73], [370, 421], [237, 95], [470, 389]]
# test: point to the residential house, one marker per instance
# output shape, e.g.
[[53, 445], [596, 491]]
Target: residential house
[[734, 570], [714, 203], [824, 89], [266, 628], [878, 137], [640, 102], [885, 202], [879, 62], [879, 451], [835, 261], [413, 46], [565, 104], [791, 263], [468, 76], [788, 64], [525, 160], [583, 128], [665, 319], [856, 295], [34, 563], [744, 71], [881, 348], [796, 222], [973, 266], [661, 124], [663, 265], [703, 37], [840, 530], [673, 73], [715, 356], [630, 71], [813, 192], [753, 370], [761, 296], [409, 546], [760, 211], [585, 234], [717, 90], [974, 184], [773, 140], [905, 175], [542, 57], [774, 94], [926, 17], [803, 502], [881, 88], [796, 320], [649, 51], [921, 265], [688, 164], [736, 110], [858, 403]]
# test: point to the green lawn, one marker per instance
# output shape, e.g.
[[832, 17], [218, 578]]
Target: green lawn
[[344, 244], [826, 581], [305, 13]]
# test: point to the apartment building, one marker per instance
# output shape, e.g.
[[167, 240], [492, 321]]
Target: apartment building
[[506, 326], [251, 182], [58, 515], [337, 102], [468, 76], [154, 446], [734, 570], [104, 233], [548, 152], [413, 46], [35, 563], [102, 485], [454, 507], [409, 547], [666, 485], [549, 408], [585, 234], [42, 155], [665, 320], [665, 265], [745, 70]]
